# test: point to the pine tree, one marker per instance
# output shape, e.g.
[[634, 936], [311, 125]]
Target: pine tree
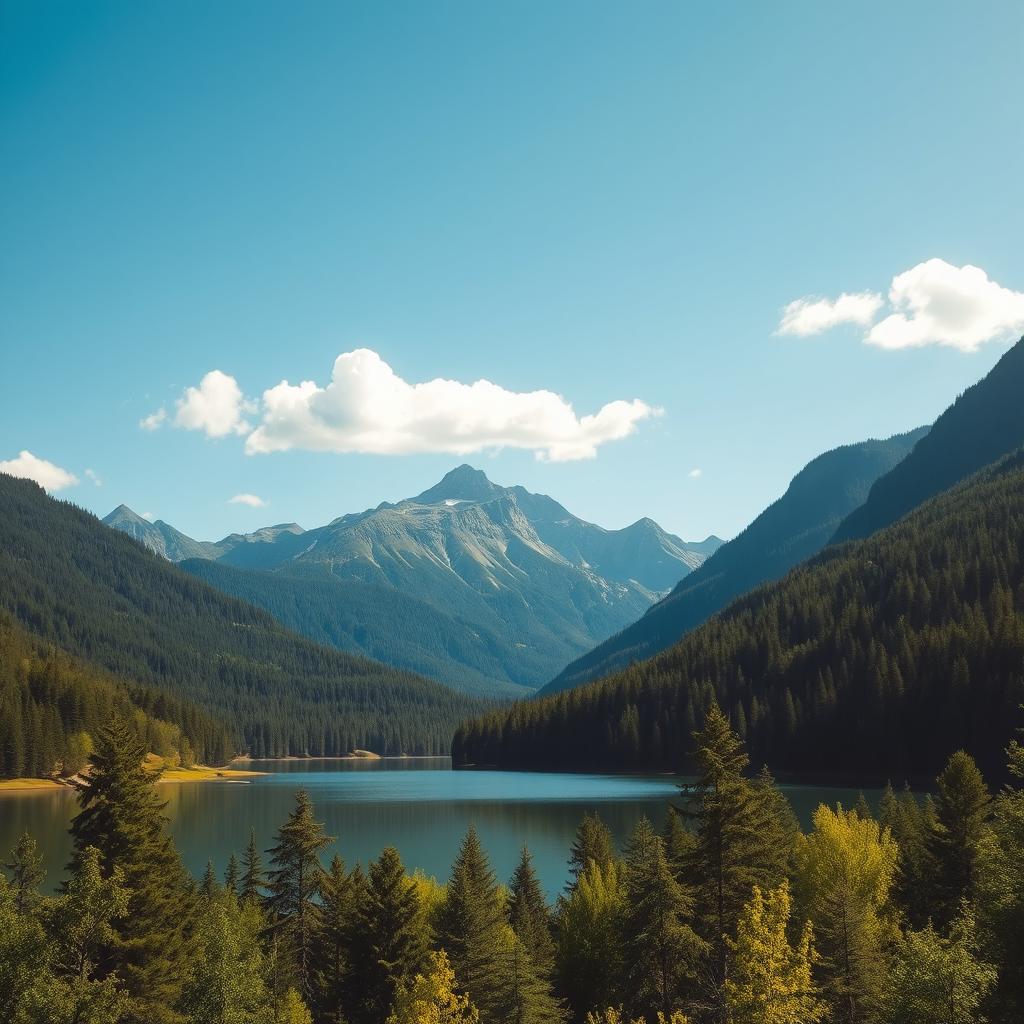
[[387, 945], [960, 833], [433, 997], [771, 980], [529, 916], [294, 884], [470, 926], [659, 946], [339, 893], [252, 871], [23, 952], [593, 842], [26, 868], [589, 958], [679, 842], [122, 817], [734, 851], [524, 995], [845, 872], [208, 887], [231, 876]]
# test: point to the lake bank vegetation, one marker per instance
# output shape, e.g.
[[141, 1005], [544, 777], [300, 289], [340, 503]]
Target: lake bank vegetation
[[729, 915]]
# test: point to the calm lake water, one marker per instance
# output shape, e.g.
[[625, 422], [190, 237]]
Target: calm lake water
[[421, 807]]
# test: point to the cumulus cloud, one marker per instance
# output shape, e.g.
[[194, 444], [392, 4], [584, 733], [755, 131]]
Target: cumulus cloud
[[148, 516], [936, 303], [46, 474], [252, 500], [695, 473], [368, 408], [216, 407], [155, 420], [804, 317], [94, 477]]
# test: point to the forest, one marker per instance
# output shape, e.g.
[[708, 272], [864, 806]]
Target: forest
[[99, 596], [874, 659], [729, 914]]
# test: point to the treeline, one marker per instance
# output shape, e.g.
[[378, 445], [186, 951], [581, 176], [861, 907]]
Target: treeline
[[102, 597], [874, 658], [51, 706], [729, 915]]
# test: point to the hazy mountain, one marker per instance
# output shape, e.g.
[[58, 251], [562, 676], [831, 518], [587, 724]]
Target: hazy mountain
[[499, 587], [985, 422], [160, 537], [795, 527], [100, 596]]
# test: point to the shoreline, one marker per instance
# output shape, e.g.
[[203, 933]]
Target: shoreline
[[246, 759]]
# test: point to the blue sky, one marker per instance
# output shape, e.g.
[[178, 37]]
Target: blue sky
[[610, 202]]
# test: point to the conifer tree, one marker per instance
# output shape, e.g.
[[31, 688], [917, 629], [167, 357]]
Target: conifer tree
[[529, 916], [26, 868], [589, 957], [23, 952], [679, 842], [253, 879], [771, 980], [208, 887], [470, 926], [845, 871], [231, 876], [593, 842], [338, 894], [959, 835], [524, 995], [294, 884], [387, 945], [734, 850], [433, 997], [659, 946], [122, 817]]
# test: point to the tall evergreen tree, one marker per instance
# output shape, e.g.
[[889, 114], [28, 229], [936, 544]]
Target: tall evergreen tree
[[294, 884], [470, 926], [593, 842], [679, 842], [231, 875], [26, 868], [387, 945], [208, 887], [659, 945], [122, 817], [959, 835], [529, 916], [339, 893], [253, 878], [524, 994]]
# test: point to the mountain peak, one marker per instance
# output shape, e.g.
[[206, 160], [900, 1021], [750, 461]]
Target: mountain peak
[[464, 483], [123, 514]]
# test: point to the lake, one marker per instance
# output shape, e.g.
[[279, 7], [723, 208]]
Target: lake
[[421, 807]]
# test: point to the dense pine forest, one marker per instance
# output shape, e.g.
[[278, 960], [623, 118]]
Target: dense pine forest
[[876, 658], [728, 914], [104, 599]]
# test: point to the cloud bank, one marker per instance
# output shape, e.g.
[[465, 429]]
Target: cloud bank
[[46, 474], [252, 500], [934, 303], [368, 408]]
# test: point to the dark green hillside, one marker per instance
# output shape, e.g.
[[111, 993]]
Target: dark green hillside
[[348, 615], [984, 423], [795, 527], [100, 596], [51, 705], [878, 657]]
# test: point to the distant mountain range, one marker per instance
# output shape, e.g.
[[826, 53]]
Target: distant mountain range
[[793, 528], [495, 588]]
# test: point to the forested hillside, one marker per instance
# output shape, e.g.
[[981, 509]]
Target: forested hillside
[[791, 529], [102, 597], [52, 705], [878, 657], [984, 423]]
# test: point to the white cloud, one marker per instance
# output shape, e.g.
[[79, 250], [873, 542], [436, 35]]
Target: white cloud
[[217, 407], [368, 408], [155, 420], [808, 316], [148, 516], [94, 477], [46, 474], [694, 473], [936, 303], [252, 500]]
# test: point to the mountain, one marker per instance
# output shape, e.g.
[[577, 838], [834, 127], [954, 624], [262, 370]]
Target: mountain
[[984, 423], [100, 596], [497, 587], [795, 527], [160, 537], [876, 658]]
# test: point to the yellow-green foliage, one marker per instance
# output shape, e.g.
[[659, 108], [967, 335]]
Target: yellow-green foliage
[[771, 981], [613, 1015], [432, 998]]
